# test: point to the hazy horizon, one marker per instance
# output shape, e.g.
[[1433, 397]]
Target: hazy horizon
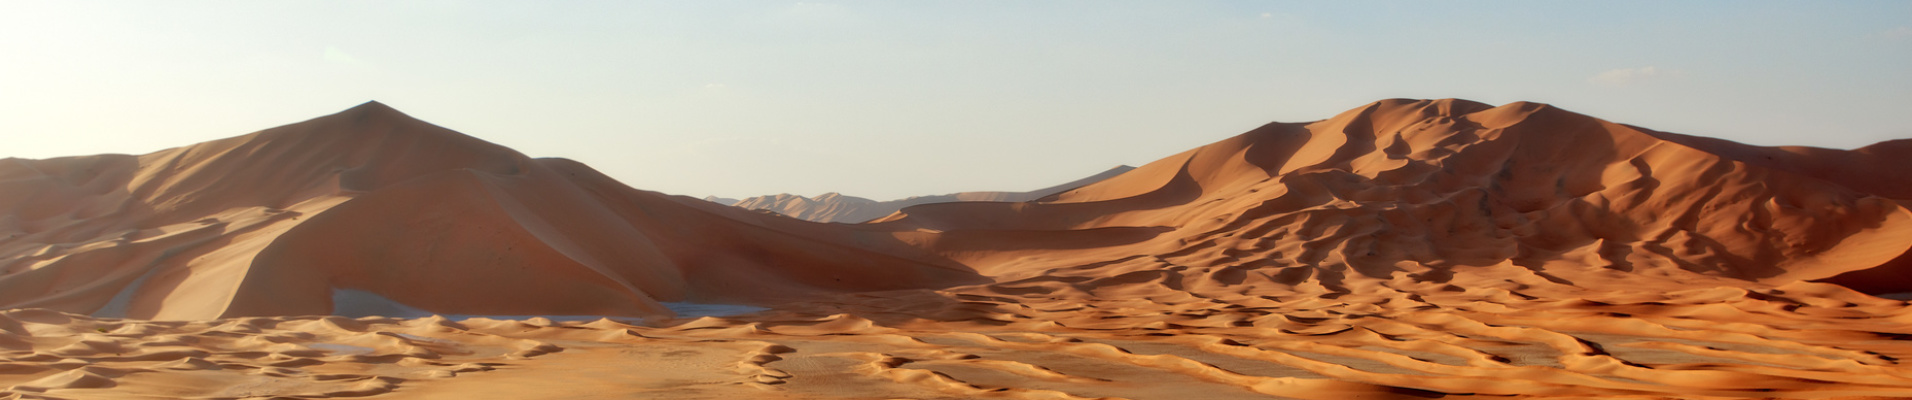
[[889, 100]]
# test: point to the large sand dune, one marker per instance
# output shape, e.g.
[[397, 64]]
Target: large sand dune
[[370, 199], [1405, 249], [1419, 191]]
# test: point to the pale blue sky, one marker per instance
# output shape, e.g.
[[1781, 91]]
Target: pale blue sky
[[890, 99]]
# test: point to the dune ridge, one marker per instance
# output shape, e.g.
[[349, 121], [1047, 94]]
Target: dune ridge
[[837, 207], [1404, 249]]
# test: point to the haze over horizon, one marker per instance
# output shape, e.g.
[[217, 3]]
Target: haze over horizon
[[745, 99]]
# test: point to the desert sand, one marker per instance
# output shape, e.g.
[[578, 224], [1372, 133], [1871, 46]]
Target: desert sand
[[1404, 249]]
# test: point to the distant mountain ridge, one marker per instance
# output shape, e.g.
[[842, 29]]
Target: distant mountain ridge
[[840, 208]]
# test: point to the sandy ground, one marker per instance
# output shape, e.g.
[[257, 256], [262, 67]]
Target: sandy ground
[[1808, 341]]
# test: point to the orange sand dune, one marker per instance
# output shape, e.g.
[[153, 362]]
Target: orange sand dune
[[1405, 249], [370, 199], [836, 207], [1417, 191]]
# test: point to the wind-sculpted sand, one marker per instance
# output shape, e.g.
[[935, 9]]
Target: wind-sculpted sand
[[1803, 341], [1406, 249]]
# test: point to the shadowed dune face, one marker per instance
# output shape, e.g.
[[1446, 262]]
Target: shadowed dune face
[[269, 223], [1882, 169]]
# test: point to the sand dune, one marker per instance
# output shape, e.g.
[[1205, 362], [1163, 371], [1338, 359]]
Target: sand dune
[[827, 207], [370, 199], [1427, 187], [836, 207], [1405, 249]]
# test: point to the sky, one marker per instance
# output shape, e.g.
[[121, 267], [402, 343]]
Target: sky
[[889, 99]]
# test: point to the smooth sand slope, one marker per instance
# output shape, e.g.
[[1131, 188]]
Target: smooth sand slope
[[1405, 249], [836, 207]]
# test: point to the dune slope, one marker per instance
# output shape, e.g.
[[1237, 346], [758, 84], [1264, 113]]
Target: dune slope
[[370, 199]]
